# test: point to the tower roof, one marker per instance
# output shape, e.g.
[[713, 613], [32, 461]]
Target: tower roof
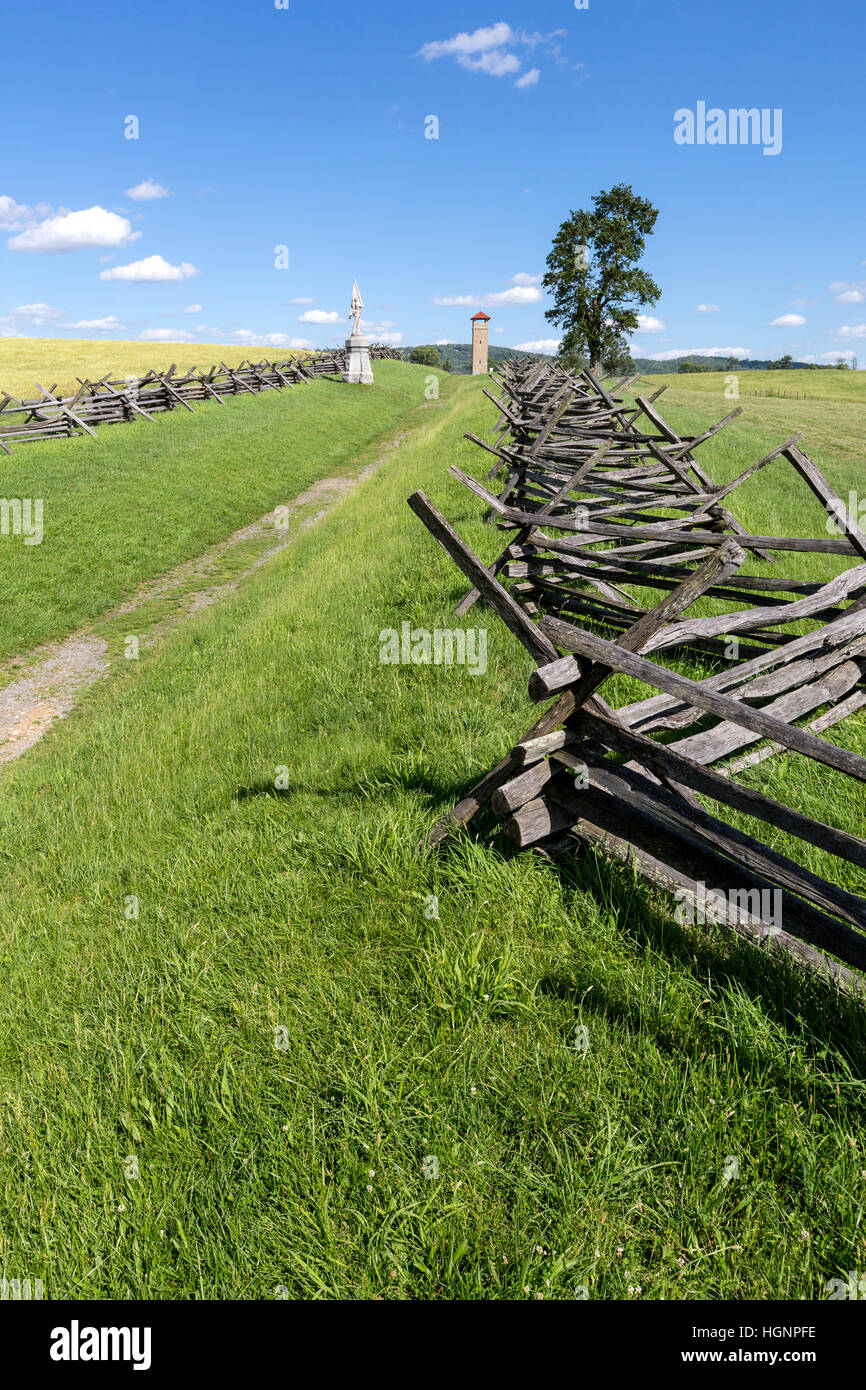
[[480, 316]]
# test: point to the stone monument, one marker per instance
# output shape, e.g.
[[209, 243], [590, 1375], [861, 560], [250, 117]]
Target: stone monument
[[359, 369]]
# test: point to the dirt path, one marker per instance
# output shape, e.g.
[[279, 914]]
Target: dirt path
[[57, 674]]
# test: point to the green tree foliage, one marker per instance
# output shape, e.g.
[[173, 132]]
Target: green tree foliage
[[425, 356], [618, 361], [594, 277]]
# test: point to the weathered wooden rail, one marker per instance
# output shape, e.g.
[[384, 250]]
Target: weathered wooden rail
[[606, 508], [116, 401]]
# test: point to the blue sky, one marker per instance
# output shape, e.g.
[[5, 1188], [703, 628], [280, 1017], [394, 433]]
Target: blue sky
[[304, 127]]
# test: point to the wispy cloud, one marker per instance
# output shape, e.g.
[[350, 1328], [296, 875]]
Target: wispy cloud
[[272, 340], [166, 335], [524, 289], [12, 214], [495, 50], [707, 308], [147, 192], [549, 346], [32, 315], [848, 291], [788, 321], [106, 325]]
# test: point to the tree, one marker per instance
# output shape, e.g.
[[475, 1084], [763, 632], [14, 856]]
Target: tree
[[425, 356], [618, 361], [446, 365], [593, 275]]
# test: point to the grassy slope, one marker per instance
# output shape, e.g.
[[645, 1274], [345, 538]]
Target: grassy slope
[[140, 498], [24, 361], [405, 1038]]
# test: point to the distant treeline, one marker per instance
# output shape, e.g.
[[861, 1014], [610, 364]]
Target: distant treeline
[[648, 366], [457, 357]]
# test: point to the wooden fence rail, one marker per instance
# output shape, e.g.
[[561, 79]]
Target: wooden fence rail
[[605, 507], [118, 400]]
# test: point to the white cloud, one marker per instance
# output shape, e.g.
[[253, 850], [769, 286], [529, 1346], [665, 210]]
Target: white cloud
[[850, 297], [76, 231], [151, 271], [391, 339], [321, 316], [106, 325], [36, 315], [788, 321], [707, 308], [465, 45], [495, 64], [491, 50], [524, 290], [12, 214], [302, 300], [518, 294], [857, 330], [166, 335], [699, 352], [192, 309], [147, 191], [272, 340], [846, 356], [456, 301], [647, 324], [550, 346]]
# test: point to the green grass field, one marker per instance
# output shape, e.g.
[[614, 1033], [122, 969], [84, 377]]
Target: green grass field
[[24, 361], [817, 385], [291, 1070], [137, 499]]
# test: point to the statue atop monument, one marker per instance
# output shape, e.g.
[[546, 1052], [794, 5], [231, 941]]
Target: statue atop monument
[[359, 369], [355, 311]]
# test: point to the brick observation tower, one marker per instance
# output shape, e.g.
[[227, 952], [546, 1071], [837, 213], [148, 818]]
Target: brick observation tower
[[479, 344]]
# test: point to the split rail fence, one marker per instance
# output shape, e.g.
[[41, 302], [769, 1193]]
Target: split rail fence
[[116, 401], [613, 524]]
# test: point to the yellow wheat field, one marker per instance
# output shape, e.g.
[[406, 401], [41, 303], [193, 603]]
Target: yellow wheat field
[[24, 361]]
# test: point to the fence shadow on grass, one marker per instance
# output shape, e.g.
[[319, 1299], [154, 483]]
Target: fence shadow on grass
[[790, 998]]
